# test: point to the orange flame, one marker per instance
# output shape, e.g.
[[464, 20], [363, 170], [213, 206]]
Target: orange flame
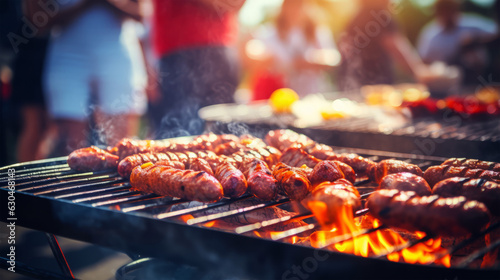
[[376, 243]]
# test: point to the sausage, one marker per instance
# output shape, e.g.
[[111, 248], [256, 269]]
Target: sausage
[[232, 180], [229, 148], [261, 182], [405, 181], [330, 171], [210, 141], [285, 138], [327, 200], [453, 216], [169, 181], [171, 163], [292, 181], [484, 191], [361, 165], [297, 157], [199, 164], [438, 173], [391, 166], [127, 164], [321, 151], [473, 164], [127, 147], [92, 159]]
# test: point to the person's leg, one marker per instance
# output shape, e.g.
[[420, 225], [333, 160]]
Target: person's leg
[[117, 127], [72, 135], [33, 131]]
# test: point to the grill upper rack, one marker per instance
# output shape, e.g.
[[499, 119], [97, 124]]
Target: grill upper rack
[[88, 206]]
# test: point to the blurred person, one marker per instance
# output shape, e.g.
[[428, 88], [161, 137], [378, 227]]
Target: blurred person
[[372, 45], [86, 58], [198, 66], [442, 39], [294, 51]]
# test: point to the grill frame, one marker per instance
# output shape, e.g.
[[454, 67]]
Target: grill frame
[[208, 248]]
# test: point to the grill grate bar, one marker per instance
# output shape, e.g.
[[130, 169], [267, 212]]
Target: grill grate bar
[[114, 187], [107, 196], [199, 208], [235, 212], [264, 224], [40, 168], [349, 236], [401, 247], [478, 254], [41, 173], [150, 202], [71, 179], [40, 177], [76, 187], [36, 163], [125, 199]]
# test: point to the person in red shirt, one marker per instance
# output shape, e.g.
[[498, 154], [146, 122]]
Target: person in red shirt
[[198, 66]]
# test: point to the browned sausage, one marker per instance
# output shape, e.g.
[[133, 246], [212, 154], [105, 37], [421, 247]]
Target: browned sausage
[[484, 191], [292, 181], [285, 138], [261, 182], [390, 166], [297, 157], [199, 164], [438, 173], [327, 200], [126, 165], [186, 184], [330, 171], [405, 181], [92, 159], [453, 216], [473, 164], [171, 163], [361, 165], [232, 180], [321, 151]]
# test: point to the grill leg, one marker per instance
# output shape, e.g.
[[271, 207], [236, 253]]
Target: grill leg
[[59, 255]]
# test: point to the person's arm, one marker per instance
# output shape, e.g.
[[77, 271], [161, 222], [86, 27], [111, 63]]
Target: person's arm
[[401, 49], [221, 5]]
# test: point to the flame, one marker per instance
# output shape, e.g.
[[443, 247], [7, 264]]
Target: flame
[[186, 218], [376, 243]]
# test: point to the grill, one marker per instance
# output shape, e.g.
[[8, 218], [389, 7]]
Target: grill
[[100, 208], [450, 135]]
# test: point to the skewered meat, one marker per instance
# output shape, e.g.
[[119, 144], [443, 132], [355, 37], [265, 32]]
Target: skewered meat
[[292, 181], [361, 165], [92, 159], [391, 166], [261, 182], [438, 173], [405, 181], [297, 157], [330, 171], [453, 216], [285, 138], [199, 164], [327, 199], [169, 181], [232, 180], [473, 164], [481, 190]]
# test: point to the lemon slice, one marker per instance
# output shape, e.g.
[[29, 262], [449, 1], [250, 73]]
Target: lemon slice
[[282, 99]]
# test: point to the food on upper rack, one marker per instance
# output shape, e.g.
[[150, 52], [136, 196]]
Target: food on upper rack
[[292, 181], [390, 166], [297, 157], [260, 180], [361, 165], [92, 159], [199, 164], [452, 216], [284, 138], [473, 164], [405, 181], [169, 181], [438, 173], [327, 199], [232, 180], [484, 191], [331, 170]]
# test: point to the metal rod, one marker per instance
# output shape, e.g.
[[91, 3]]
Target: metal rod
[[61, 182], [32, 272], [39, 168], [260, 225], [125, 199], [114, 187], [35, 162], [292, 232], [349, 236], [59, 255], [235, 212], [467, 261], [403, 246], [110, 182]]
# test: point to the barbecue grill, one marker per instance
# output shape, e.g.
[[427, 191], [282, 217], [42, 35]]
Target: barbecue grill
[[100, 208]]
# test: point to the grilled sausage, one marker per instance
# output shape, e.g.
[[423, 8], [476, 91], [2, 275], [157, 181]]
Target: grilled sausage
[[391, 166], [285, 138], [171, 163], [232, 180], [92, 159], [438, 173], [297, 157], [199, 164], [292, 181], [127, 147], [327, 200], [128, 164], [261, 182], [361, 165], [321, 151], [169, 181], [453, 216], [330, 171], [473, 164], [484, 191], [210, 141], [405, 181]]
